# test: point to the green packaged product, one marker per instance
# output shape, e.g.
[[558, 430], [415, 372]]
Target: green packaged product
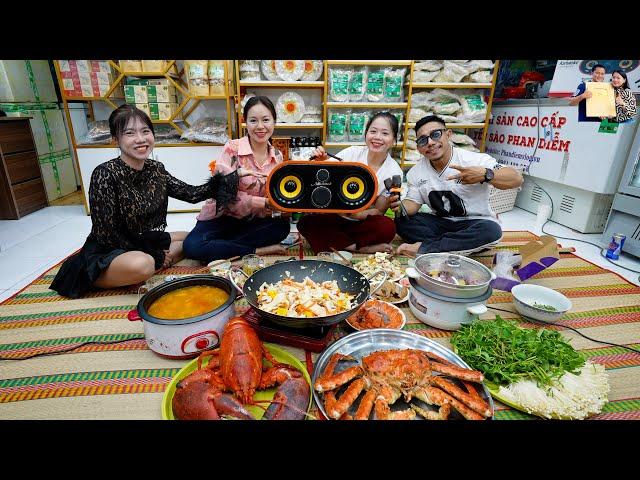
[[337, 127], [375, 86], [393, 85], [357, 85], [339, 85], [357, 121]]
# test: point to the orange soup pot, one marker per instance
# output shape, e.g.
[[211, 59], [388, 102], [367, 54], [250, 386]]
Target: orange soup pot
[[185, 337]]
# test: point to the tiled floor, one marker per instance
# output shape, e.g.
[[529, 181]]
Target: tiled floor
[[35, 243]]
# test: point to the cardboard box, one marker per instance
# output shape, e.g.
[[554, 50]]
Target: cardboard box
[[102, 66], [87, 90], [537, 255], [83, 66], [145, 108], [85, 78], [135, 94], [130, 65], [162, 111], [101, 78], [15, 81], [154, 65], [66, 179], [161, 94]]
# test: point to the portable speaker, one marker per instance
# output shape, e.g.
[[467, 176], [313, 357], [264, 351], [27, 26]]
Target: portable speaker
[[322, 187]]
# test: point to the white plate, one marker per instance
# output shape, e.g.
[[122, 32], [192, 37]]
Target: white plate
[[290, 70], [268, 68], [290, 108], [314, 73], [394, 302]]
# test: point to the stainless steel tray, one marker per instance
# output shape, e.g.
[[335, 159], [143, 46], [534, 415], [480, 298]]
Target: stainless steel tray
[[362, 343]]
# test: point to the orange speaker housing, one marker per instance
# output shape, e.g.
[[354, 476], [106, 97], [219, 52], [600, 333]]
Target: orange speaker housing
[[322, 187]]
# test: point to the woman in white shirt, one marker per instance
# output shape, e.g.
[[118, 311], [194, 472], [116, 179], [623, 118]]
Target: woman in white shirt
[[370, 230]]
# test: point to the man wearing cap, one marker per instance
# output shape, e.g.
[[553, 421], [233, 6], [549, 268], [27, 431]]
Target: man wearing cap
[[454, 184]]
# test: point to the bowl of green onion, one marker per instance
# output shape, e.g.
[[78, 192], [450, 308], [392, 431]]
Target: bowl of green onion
[[540, 303]]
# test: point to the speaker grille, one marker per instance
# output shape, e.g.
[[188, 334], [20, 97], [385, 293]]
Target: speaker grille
[[536, 194], [567, 203]]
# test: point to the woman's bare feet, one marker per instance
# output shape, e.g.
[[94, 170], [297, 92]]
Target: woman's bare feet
[[378, 247], [276, 249], [408, 249]]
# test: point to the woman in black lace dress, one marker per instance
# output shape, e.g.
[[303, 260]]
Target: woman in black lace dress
[[128, 198]]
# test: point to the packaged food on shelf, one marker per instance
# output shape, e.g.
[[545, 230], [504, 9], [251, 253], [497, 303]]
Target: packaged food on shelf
[[357, 122], [311, 118], [339, 84], [474, 108], [450, 118], [416, 114], [215, 72], [245, 99], [154, 65], [130, 65], [161, 94], [462, 139], [447, 107], [312, 70], [393, 83], [290, 107], [482, 64], [167, 134], [197, 79], [481, 76], [411, 134], [338, 126], [207, 129], [411, 144], [452, 72], [135, 94], [412, 155], [250, 70], [421, 100], [100, 78], [357, 84], [424, 77], [162, 111], [440, 95], [100, 66], [145, 108], [427, 65], [290, 70], [375, 85], [148, 81], [97, 133]]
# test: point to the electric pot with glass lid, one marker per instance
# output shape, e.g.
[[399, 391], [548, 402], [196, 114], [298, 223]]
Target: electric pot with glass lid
[[448, 290]]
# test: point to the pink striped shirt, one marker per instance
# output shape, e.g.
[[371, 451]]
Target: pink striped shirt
[[251, 190]]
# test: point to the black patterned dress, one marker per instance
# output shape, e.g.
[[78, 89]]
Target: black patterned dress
[[128, 212]]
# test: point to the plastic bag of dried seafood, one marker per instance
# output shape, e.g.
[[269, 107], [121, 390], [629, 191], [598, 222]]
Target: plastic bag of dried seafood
[[449, 118], [207, 129], [422, 100], [412, 155], [338, 126], [375, 85], [197, 79], [447, 107], [98, 132], [427, 65], [411, 144], [440, 94], [462, 139], [452, 72], [215, 72], [339, 84], [411, 134], [481, 76], [474, 108], [423, 77], [393, 83], [416, 114], [357, 122], [357, 84]]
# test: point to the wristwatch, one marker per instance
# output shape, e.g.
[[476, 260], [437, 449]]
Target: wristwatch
[[488, 175]]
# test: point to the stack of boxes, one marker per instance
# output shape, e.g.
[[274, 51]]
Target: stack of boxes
[[27, 90], [155, 96], [87, 78]]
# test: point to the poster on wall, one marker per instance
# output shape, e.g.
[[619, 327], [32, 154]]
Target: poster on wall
[[551, 144], [570, 73]]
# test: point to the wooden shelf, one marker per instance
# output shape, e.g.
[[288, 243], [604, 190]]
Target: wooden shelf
[[366, 105], [455, 125], [162, 145], [209, 97], [89, 99], [450, 85], [149, 74], [294, 125], [349, 144], [403, 63], [275, 83]]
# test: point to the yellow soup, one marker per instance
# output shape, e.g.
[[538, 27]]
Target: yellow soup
[[188, 302]]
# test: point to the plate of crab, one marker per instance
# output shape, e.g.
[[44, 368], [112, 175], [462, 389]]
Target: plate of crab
[[385, 374]]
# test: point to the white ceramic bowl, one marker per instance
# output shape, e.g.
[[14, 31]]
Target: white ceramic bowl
[[525, 296]]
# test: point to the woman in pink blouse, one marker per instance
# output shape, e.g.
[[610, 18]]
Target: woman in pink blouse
[[245, 226]]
